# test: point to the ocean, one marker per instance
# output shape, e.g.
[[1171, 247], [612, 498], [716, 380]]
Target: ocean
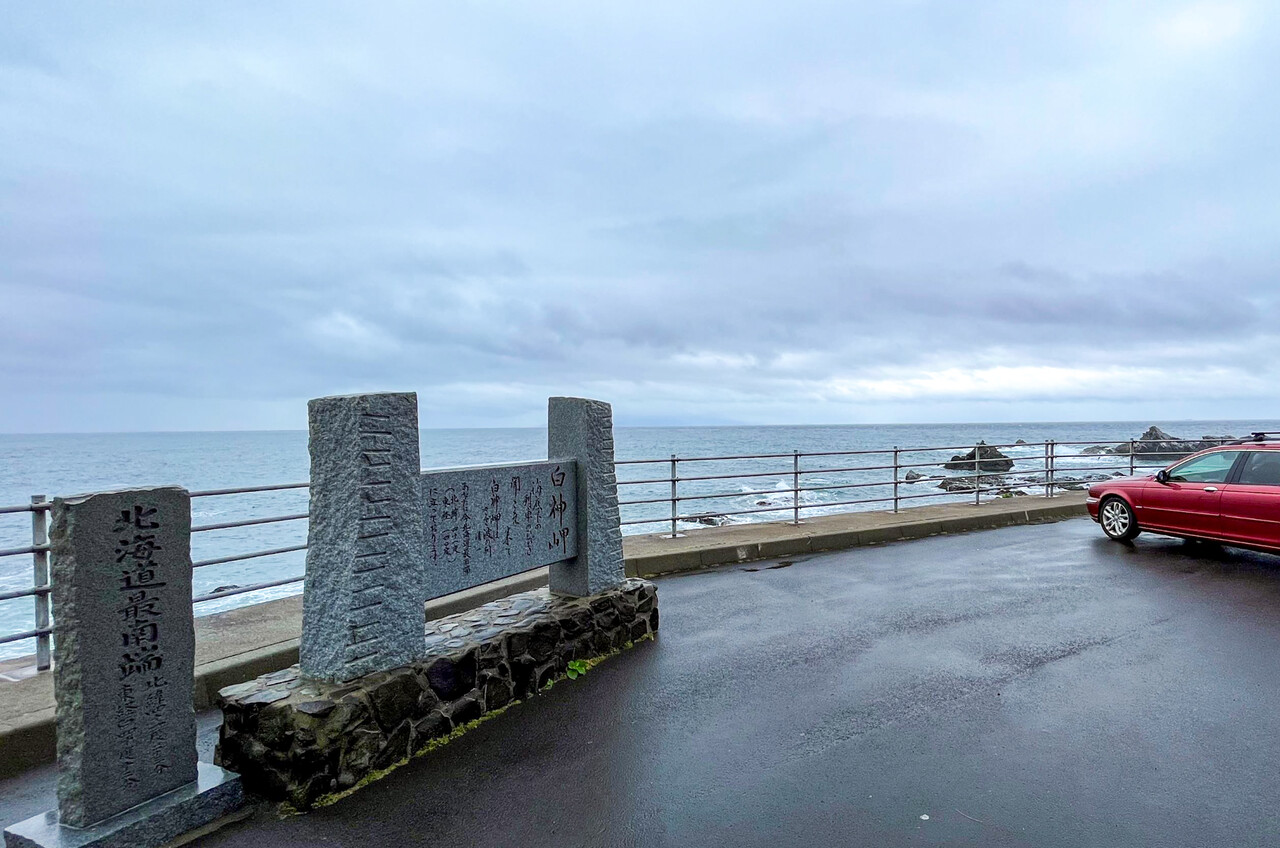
[[65, 464]]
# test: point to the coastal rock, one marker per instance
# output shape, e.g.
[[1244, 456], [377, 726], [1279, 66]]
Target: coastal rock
[[913, 476], [984, 456], [967, 484], [1076, 484], [1095, 450], [1156, 443], [1060, 479]]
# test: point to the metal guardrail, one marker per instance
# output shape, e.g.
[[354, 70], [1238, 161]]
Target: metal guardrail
[[985, 482], [39, 549]]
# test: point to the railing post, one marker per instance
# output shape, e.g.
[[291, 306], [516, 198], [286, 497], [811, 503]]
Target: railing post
[[1133, 468], [795, 485], [977, 475], [1053, 464], [895, 478], [675, 499], [40, 567], [1046, 467]]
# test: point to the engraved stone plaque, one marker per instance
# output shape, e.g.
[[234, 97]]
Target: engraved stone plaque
[[486, 522], [362, 598], [124, 649]]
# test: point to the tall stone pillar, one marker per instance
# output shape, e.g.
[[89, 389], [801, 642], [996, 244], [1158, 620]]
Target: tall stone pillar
[[123, 675], [583, 429], [124, 650], [362, 599]]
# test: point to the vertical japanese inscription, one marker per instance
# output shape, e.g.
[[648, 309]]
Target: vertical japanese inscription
[[362, 603], [142, 683], [583, 428], [125, 650], [487, 522]]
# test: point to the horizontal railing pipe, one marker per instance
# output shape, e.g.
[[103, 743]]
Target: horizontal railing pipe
[[718, 458], [774, 492], [787, 473], [29, 549], [846, 470], [249, 522], [41, 507], [25, 593], [208, 493], [241, 590], [26, 634], [237, 557]]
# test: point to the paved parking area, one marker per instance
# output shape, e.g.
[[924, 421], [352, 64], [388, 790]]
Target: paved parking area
[[1032, 686]]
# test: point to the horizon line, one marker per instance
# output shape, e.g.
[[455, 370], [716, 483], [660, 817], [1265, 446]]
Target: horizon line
[[666, 426]]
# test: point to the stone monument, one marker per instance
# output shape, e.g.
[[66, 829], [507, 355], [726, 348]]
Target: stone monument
[[362, 597], [124, 657], [376, 683], [583, 429]]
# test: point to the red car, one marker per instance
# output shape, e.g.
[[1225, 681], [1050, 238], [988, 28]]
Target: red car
[[1228, 494]]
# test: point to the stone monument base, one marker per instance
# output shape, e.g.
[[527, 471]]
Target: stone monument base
[[294, 739], [214, 794]]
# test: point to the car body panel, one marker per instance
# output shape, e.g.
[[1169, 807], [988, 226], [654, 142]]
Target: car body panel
[[1183, 507], [1251, 514], [1246, 514]]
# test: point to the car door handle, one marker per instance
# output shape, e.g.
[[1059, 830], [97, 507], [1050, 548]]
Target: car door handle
[[1211, 488]]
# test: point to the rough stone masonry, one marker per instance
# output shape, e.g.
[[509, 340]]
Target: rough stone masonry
[[296, 739]]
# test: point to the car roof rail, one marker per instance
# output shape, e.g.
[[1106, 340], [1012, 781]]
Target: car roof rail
[[1255, 437]]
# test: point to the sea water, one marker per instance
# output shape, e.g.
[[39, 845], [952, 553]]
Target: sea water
[[66, 464]]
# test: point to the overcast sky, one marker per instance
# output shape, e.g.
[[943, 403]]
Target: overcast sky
[[715, 212]]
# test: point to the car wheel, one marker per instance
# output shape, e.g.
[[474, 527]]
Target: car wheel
[[1117, 519]]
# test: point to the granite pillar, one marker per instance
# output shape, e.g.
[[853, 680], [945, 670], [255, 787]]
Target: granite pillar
[[583, 429], [362, 598]]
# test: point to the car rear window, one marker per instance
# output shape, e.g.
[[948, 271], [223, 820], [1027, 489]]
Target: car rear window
[[1261, 468]]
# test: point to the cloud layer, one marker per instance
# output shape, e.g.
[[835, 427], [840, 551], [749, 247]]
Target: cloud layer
[[765, 213]]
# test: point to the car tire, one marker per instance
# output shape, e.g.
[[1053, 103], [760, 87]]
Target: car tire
[[1117, 519]]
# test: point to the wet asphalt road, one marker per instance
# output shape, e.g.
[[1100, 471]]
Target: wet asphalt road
[[1033, 686]]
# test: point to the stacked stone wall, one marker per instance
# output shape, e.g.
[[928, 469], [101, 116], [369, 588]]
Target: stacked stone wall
[[296, 739]]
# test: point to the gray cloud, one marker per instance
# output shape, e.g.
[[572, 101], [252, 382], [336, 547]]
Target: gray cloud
[[726, 212]]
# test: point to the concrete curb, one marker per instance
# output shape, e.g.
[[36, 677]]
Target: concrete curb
[[30, 740], [814, 537]]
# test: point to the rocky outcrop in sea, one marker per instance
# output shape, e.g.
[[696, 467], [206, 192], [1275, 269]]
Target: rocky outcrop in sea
[[984, 456], [1156, 442]]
